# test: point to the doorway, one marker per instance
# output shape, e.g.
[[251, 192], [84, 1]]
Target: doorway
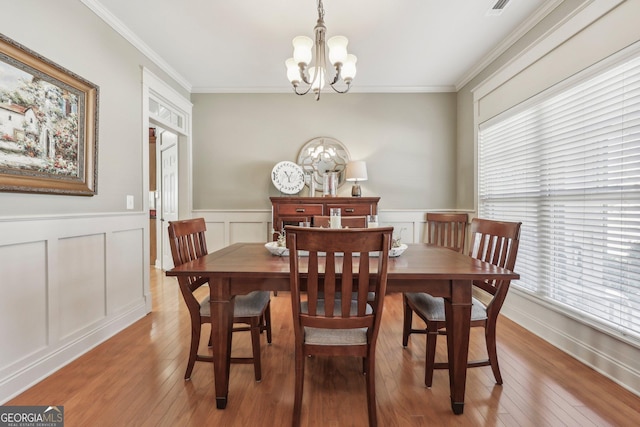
[[168, 193], [163, 106], [163, 193]]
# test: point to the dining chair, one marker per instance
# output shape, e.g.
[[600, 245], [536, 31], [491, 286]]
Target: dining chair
[[187, 241], [331, 326], [447, 229], [495, 242], [346, 221]]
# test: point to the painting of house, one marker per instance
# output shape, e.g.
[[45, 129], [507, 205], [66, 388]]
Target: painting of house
[[16, 120], [38, 125]]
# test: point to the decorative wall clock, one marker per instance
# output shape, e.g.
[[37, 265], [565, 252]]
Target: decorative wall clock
[[288, 177]]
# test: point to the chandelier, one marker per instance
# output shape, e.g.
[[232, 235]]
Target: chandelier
[[316, 75]]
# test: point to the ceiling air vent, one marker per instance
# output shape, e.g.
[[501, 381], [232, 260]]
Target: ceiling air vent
[[498, 8]]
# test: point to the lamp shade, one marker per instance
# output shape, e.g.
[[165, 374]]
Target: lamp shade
[[293, 72], [349, 68], [356, 171], [337, 49], [302, 49]]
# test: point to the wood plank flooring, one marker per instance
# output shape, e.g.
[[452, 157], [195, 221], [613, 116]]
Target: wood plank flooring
[[136, 379]]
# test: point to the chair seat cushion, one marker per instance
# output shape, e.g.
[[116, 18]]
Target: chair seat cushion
[[321, 336], [433, 307], [249, 305]]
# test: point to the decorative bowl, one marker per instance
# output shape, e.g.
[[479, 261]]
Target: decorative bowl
[[276, 250], [283, 251], [395, 252]]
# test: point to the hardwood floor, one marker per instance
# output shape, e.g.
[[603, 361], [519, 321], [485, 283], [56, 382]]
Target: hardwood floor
[[136, 379]]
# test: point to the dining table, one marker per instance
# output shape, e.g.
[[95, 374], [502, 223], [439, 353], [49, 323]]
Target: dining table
[[244, 267]]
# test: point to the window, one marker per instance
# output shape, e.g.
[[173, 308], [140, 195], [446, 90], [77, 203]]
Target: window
[[567, 164], [164, 113]]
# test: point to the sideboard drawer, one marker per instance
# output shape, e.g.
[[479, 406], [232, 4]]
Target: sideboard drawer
[[294, 210], [306, 209], [353, 209]]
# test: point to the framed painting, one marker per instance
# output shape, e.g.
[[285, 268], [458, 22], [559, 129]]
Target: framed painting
[[48, 125]]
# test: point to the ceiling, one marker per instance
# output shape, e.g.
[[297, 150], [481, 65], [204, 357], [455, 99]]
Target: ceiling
[[240, 46]]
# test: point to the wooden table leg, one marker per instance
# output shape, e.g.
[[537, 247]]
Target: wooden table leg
[[221, 325], [458, 318]]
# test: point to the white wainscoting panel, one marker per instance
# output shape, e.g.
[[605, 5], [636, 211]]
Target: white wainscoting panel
[[23, 306], [247, 232], [125, 271], [81, 284], [226, 227], [216, 235], [68, 283]]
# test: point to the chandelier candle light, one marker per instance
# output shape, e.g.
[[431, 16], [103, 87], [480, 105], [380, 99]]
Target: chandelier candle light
[[315, 76], [356, 171]]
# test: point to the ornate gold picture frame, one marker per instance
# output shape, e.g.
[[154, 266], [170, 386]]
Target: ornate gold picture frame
[[48, 125]]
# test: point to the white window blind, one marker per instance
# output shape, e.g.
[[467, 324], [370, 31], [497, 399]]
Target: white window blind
[[567, 165]]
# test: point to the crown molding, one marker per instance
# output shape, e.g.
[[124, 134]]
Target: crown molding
[[97, 8], [354, 89], [581, 17], [502, 47]]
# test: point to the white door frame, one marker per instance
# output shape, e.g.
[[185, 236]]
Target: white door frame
[[155, 90]]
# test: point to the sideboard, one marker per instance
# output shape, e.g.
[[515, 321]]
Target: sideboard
[[293, 210]]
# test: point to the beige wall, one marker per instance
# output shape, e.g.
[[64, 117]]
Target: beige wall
[[408, 141], [70, 34], [75, 270]]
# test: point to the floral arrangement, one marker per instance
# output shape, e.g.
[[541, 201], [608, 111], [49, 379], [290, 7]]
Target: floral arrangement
[[396, 242], [282, 237]]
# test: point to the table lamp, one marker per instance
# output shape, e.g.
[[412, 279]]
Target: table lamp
[[356, 171]]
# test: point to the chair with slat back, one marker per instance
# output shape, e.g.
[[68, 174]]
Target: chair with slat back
[[447, 229], [495, 242], [332, 326], [187, 241], [345, 221]]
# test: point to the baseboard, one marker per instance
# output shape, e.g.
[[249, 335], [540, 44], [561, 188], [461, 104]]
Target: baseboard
[[607, 354], [32, 374]]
